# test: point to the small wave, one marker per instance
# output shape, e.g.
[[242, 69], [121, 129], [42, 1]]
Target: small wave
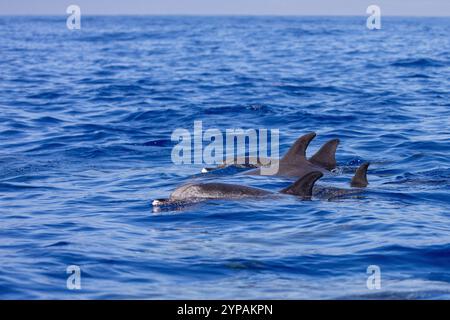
[[416, 76], [418, 63], [48, 95], [239, 109], [151, 115], [434, 177], [159, 143], [59, 244], [13, 187], [48, 120]]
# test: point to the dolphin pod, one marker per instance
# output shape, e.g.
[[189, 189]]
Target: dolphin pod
[[304, 188], [293, 164]]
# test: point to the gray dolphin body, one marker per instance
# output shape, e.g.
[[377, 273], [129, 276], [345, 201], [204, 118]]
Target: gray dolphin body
[[296, 164], [358, 183], [303, 188], [206, 191]]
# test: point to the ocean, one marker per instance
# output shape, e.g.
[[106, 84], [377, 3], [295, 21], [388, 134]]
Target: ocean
[[85, 146]]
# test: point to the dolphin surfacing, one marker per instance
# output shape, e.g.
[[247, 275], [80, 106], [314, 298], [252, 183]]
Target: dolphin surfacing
[[358, 184], [296, 164], [206, 191]]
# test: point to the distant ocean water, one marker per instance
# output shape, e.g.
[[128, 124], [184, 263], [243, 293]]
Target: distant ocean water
[[85, 124]]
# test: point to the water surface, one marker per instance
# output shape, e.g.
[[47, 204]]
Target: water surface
[[85, 124]]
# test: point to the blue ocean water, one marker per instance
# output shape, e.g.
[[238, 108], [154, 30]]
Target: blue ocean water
[[85, 126]]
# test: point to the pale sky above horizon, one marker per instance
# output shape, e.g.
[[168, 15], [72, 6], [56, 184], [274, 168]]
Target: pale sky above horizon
[[228, 7]]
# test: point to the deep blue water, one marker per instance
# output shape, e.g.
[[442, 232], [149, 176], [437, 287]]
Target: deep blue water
[[85, 125]]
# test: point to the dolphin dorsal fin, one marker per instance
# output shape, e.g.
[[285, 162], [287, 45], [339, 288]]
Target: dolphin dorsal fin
[[326, 156], [360, 178], [298, 149], [303, 187]]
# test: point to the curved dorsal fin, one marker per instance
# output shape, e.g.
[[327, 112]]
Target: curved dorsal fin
[[360, 178], [326, 156], [303, 187], [298, 149]]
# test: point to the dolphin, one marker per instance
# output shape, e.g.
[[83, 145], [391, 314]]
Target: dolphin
[[192, 193], [359, 180], [358, 183], [296, 164]]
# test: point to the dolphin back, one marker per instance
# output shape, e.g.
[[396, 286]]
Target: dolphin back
[[298, 149], [326, 156], [303, 187], [359, 180]]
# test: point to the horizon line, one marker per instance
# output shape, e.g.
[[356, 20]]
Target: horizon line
[[216, 15]]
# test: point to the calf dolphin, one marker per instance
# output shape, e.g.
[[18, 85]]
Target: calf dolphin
[[206, 191], [296, 164]]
